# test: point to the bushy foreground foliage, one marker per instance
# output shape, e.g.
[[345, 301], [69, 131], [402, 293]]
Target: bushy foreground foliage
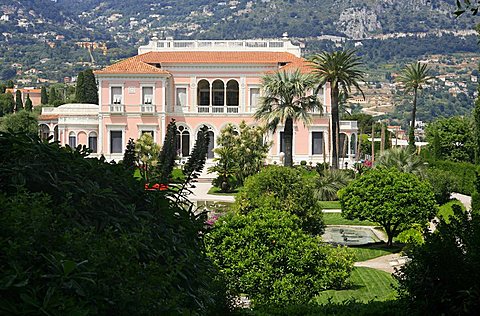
[[266, 255], [81, 236], [443, 276], [394, 199], [282, 188]]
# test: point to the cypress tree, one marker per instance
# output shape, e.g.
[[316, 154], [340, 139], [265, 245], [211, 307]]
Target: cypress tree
[[28, 104], [476, 118], [130, 156], [52, 96], [90, 87], [10, 103], [18, 101], [166, 158], [44, 96], [80, 88], [10, 84]]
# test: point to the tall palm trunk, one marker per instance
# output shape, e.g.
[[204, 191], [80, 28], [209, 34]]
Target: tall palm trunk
[[288, 135], [411, 133], [335, 126]]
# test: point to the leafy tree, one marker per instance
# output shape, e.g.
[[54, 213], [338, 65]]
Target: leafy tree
[[129, 160], [285, 100], [3, 88], [90, 87], [266, 255], [23, 121], [18, 101], [70, 218], [442, 276], [329, 183], [340, 70], [283, 189], [241, 153], [166, 158], [43, 96], [7, 103], [476, 119], [147, 152], [10, 84], [28, 104], [394, 199], [455, 140], [402, 160], [414, 77], [80, 88]]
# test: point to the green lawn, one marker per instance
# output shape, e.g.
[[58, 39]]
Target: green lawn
[[364, 253], [445, 211], [366, 285], [329, 205], [216, 191], [337, 219]]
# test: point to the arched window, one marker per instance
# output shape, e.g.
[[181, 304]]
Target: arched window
[[55, 133], [44, 131], [72, 139], [203, 94], [92, 141], [218, 93], [343, 145], [353, 144], [182, 141], [233, 93]]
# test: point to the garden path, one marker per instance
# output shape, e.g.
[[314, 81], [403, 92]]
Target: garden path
[[465, 199], [200, 193], [386, 263]]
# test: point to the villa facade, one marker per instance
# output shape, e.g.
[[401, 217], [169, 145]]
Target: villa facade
[[197, 83]]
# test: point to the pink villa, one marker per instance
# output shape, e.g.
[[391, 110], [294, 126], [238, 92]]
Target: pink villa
[[197, 83]]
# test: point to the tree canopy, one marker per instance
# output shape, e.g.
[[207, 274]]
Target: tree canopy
[[394, 199]]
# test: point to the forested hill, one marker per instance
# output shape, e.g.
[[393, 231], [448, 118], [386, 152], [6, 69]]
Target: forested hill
[[355, 19]]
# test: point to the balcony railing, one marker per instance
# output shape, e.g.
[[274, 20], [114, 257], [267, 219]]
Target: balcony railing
[[147, 108], [117, 108], [217, 109]]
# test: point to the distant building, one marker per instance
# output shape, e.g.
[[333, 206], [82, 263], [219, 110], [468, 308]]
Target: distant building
[[35, 94]]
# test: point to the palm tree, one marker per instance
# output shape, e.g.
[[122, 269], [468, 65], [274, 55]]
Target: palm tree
[[413, 77], [329, 183], [285, 100], [403, 160], [340, 69]]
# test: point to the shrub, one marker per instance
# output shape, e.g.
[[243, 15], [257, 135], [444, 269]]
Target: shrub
[[266, 255], [82, 236], [284, 189], [443, 276], [303, 163], [442, 183], [461, 173]]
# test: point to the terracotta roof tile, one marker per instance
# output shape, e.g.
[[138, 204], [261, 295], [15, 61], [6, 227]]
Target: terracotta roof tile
[[131, 66], [303, 65], [47, 117], [218, 57]]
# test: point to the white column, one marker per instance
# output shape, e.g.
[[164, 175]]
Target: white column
[[242, 99], [164, 97], [193, 94], [100, 134]]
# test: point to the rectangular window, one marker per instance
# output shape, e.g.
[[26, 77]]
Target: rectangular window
[[181, 96], [254, 98], [92, 143], [317, 143], [116, 142], [116, 93], [147, 95], [72, 141], [282, 142]]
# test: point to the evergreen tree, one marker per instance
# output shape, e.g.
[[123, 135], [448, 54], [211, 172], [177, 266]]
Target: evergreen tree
[[476, 118], [3, 88], [130, 157], [44, 96], [7, 103], [52, 96], [10, 84], [90, 90], [18, 101], [80, 89], [166, 158], [28, 104]]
